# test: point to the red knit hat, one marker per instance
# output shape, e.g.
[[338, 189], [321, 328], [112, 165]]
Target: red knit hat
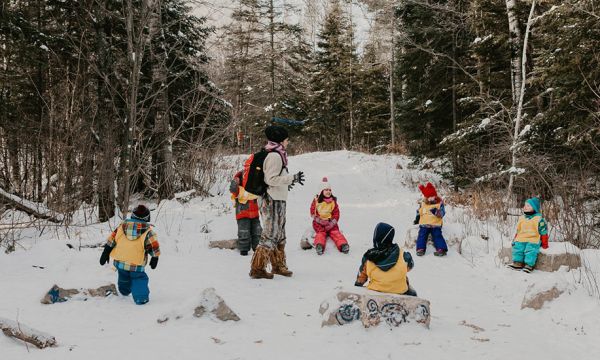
[[428, 190]]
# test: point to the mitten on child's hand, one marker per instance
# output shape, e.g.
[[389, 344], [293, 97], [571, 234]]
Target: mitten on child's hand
[[433, 211], [105, 257], [544, 241], [417, 219], [357, 283], [154, 262], [330, 224]]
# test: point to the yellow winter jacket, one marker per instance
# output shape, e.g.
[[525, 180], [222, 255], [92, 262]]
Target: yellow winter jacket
[[129, 251], [392, 281], [426, 217], [528, 229]]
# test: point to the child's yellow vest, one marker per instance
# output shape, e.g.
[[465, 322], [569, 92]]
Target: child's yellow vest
[[129, 251], [325, 209], [392, 281], [427, 218], [528, 229]]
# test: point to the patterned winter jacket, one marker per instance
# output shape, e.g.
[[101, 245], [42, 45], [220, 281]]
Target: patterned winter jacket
[[245, 209], [132, 229]]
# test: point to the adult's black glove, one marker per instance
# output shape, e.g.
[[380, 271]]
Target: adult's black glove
[[154, 262], [299, 178], [105, 257]]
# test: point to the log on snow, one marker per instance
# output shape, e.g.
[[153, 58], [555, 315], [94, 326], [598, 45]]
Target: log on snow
[[37, 210], [19, 331]]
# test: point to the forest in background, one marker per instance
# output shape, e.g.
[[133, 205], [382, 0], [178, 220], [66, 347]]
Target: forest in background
[[101, 99]]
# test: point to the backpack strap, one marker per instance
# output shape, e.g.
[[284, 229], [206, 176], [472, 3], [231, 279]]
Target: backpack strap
[[282, 167]]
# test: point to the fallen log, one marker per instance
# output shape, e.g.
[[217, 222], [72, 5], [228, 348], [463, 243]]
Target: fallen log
[[24, 333], [37, 210]]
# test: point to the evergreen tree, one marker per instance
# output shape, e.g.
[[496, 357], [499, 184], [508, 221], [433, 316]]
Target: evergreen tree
[[266, 57], [332, 82]]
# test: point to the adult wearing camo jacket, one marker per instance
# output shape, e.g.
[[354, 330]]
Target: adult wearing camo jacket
[[272, 206]]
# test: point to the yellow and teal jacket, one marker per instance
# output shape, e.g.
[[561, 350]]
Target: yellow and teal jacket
[[132, 242], [531, 228]]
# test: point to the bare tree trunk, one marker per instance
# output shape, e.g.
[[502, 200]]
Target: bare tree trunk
[[135, 52], [392, 103], [272, 55], [106, 170], [515, 47], [164, 158], [517, 128]]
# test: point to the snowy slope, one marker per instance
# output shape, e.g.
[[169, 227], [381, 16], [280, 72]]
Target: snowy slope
[[280, 317]]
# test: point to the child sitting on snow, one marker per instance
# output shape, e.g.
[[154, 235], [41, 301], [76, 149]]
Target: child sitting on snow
[[386, 265], [246, 215], [325, 213], [532, 232], [429, 217], [130, 245]]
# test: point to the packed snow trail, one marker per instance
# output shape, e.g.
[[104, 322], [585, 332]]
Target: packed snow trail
[[280, 317]]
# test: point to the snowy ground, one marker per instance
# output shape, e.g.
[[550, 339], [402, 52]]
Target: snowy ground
[[280, 318]]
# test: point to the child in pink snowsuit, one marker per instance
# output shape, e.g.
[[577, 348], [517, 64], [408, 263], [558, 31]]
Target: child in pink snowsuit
[[325, 213]]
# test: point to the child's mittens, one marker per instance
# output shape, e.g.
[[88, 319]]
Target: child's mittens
[[154, 262], [358, 283], [417, 219], [544, 241], [320, 221], [330, 224], [105, 257]]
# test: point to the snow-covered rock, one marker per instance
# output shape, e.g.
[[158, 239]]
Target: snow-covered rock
[[373, 309], [473, 247], [210, 304], [558, 254], [231, 244], [537, 295]]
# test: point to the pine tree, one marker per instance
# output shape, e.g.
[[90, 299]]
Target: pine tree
[[332, 79], [265, 65]]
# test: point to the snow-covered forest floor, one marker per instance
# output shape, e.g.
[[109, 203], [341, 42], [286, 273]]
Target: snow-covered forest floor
[[475, 301]]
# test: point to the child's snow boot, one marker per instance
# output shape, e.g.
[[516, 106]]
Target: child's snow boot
[[528, 269], [345, 248], [440, 252], [516, 265], [319, 249], [420, 252]]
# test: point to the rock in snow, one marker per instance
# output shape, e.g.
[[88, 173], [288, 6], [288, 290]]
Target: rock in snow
[[558, 254], [210, 304], [536, 297], [373, 309]]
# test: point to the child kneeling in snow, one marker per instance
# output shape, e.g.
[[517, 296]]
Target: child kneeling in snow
[[130, 245], [386, 265], [325, 213], [532, 232], [429, 217], [246, 215]]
